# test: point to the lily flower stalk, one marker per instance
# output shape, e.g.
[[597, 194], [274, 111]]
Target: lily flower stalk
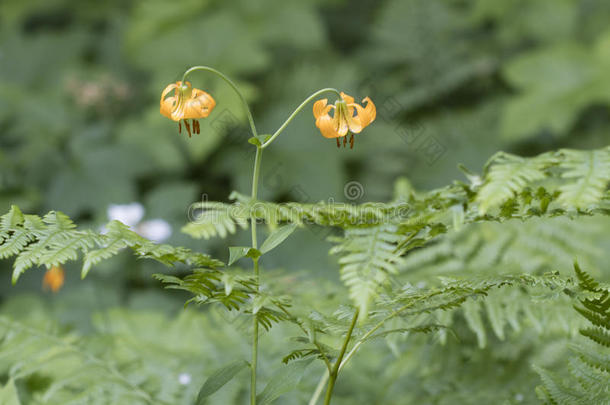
[[348, 118]]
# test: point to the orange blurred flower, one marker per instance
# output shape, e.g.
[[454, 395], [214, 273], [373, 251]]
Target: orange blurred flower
[[186, 103], [53, 279], [349, 118]]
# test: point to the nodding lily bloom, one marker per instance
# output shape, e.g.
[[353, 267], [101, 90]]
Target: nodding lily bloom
[[186, 103], [53, 279], [349, 118]]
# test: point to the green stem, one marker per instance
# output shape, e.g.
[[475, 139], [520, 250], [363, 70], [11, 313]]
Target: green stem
[[257, 169], [233, 86], [373, 330], [254, 346], [298, 109], [319, 389], [255, 177], [325, 376], [335, 371]]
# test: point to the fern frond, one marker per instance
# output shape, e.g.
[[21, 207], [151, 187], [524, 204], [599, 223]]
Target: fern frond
[[299, 354], [368, 257], [462, 293], [424, 329], [215, 219], [512, 187], [508, 175], [589, 175], [590, 368], [598, 335], [323, 213], [210, 286], [555, 392], [86, 378], [55, 239], [585, 280], [597, 359]]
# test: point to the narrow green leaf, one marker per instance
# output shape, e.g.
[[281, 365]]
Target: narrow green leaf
[[237, 252], [277, 236], [254, 141], [86, 267], [219, 378], [283, 381]]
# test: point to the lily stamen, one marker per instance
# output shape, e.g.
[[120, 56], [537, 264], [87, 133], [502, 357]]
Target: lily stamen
[[196, 127]]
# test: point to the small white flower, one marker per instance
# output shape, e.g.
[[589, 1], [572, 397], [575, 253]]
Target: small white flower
[[184, 378], [129, 214], [156, 230]]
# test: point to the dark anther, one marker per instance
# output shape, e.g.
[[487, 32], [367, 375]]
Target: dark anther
[[338, 143], [351, 142], [345, 141], [188, 127], [196, 128], [179, 127]]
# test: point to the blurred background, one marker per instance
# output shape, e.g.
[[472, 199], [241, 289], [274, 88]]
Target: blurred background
[[454, 81]]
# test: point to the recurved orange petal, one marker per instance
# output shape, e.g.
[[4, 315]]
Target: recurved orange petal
[[328, 126], [366, 114], [167, 106], [321, 108], [169, 88], [199, 106], [347, 98]]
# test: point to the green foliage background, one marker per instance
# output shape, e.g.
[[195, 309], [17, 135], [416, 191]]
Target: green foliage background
[[454, 81]]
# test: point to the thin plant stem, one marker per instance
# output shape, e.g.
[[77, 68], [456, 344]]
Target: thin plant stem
[[255, 177], [319, 389], [350, 354], [233, 86], [335, 371], [373, 330], [296, 112], [254, 346]]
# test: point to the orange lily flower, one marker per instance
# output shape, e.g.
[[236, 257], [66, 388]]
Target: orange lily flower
[[186, 103], [349, 118], [53, 279]]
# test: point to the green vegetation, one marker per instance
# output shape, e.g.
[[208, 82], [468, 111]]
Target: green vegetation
[[458, 254]]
